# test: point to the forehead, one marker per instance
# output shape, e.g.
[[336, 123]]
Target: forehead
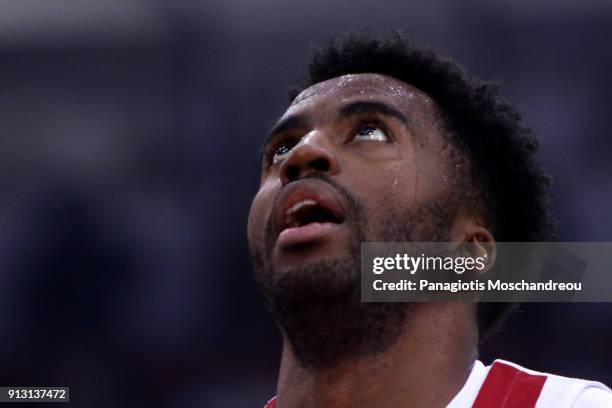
[[362, 86]]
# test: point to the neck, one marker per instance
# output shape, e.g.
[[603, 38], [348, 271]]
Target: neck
[[425, 367]]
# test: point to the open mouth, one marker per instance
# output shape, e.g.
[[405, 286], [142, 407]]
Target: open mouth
[[307, 211]]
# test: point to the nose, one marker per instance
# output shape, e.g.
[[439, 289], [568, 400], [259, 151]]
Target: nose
[[313, 153]]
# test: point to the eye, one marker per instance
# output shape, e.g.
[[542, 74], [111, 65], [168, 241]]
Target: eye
[[280, 150], [372, 133]]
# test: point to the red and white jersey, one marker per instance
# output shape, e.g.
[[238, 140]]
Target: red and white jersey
[[507, 385]]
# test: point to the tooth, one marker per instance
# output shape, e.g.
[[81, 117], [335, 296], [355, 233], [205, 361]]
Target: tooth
[[301, 204], [290, 220]]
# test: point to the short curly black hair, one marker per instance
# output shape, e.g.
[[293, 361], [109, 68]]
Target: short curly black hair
[[485, 127]]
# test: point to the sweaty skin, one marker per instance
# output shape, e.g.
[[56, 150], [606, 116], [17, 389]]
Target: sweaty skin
[[387, 159]]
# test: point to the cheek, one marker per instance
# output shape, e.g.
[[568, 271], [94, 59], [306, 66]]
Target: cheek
[[259, 212], [396, 186], [392, 178], [387, 192], [432, 173], [417, 180]]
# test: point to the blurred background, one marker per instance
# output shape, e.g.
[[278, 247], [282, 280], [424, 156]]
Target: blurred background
[[128, 159]]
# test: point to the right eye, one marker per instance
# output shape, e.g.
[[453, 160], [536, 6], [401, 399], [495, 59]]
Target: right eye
[[280, 151]]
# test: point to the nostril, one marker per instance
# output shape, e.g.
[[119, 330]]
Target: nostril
[[319, 164], [292, 172]]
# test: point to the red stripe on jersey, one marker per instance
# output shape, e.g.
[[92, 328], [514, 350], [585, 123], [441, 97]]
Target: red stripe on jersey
[[271, 403], [509, 387]]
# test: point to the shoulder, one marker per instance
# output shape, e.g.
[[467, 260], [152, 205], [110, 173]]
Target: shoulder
[[542, 389], [593, 397]]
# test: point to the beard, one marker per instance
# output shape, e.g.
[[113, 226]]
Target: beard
[[318, 304]]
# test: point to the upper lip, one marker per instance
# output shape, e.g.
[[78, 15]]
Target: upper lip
[[313, 193]]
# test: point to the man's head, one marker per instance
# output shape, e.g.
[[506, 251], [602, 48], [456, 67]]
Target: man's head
[[384, 142]]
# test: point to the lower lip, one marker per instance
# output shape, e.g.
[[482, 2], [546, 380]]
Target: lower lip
[[307, 233]]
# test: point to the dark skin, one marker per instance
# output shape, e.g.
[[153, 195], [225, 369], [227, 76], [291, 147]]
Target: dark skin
[[380, 139]]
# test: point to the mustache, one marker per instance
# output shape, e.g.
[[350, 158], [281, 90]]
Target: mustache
[[346, 195]]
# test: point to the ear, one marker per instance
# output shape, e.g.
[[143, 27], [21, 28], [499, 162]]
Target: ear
[[469, 232]]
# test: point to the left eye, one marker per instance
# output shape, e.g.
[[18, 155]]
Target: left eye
[[371, 133]]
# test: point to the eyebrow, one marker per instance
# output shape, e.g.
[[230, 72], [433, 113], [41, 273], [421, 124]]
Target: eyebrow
[[361, 107]]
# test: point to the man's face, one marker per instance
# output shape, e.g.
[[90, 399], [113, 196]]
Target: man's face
[[355, 158], [348, 153]]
